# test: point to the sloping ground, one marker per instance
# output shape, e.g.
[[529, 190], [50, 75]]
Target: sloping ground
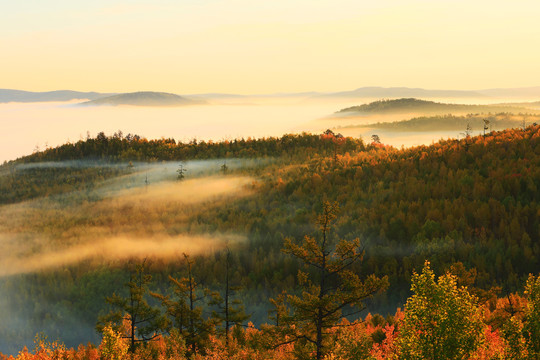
[[475, 200]]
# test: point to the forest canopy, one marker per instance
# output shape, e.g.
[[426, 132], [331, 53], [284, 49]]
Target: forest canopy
[[472, 201]]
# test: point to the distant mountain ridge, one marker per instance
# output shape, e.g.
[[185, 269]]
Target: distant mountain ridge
[[412, 105], [406, 92], [532, 91], [144, 98], [9, 95], [382, 92]]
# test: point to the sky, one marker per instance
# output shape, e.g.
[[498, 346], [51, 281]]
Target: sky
[[252, 46]]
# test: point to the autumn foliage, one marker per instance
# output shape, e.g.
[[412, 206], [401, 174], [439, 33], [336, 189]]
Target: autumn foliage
[[474, 201], [440, 321]]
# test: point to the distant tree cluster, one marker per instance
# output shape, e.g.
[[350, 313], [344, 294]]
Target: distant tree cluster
[[133, 147]]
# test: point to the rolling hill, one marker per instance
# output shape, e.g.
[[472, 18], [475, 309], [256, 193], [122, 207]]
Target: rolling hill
[[399, 92], [144, 98], [412, 105], [9, 95]]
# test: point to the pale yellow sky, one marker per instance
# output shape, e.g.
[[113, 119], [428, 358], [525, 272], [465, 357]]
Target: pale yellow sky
[[250, 46]]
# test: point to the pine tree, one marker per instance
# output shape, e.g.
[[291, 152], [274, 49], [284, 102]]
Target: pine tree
[[186, 316], [181, 170], [145, 322], [486, 126], [229, 311], [332, 292], [224, 168]]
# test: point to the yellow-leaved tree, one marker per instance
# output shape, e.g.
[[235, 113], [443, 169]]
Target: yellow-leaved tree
[[441, 320]]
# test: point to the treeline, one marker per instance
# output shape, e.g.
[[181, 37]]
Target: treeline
[[89, 162], [19, 182], [133, 147]]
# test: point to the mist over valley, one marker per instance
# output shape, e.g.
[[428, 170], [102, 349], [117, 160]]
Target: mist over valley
[[32, 126]]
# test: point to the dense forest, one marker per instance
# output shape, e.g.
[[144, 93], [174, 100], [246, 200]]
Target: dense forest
[[469, 206]]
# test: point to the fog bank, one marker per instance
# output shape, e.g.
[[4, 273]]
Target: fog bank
[[27, 127], [117, 248]]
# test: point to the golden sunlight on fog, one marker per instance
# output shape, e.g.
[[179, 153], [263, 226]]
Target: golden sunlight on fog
[[27, 126], [149, 221], [117, 248]]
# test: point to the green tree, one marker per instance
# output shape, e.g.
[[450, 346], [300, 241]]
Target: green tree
[[112, 346], [224, 168], [328, 293], [186, 315], [181, 170], [144, 321], [512, 331], [531, 326], [486, 126], [441, 320], [229, 311]]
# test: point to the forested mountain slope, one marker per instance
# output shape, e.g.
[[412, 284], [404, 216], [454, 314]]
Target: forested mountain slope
[[474, 200]]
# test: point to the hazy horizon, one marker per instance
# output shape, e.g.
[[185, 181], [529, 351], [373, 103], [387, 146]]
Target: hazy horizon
[[250, 47], [35, 126], [308, 93], [28, 125]]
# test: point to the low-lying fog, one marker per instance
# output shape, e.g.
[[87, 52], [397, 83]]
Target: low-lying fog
[[142, 214], [145, 213], [28, 126], [25, 126]]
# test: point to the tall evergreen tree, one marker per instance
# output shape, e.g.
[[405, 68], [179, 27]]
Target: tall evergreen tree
[[185, 313], [331, 292], [181, 171], [144, 321], [229, 311]]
